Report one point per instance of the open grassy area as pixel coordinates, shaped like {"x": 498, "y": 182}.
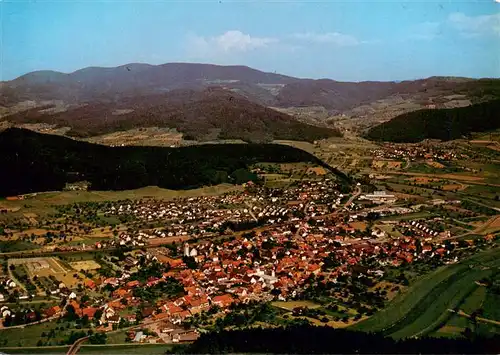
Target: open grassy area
{"x": 483, "y": 191}
{"x": 42, "y": 203}
{"x": 474, "y": 301}
{"x": 491, "y": 307}
{"x": 7, "y": 246}
{"x": 30, "y": 335}
{"x": 447, "y": 295}
{"x": 52, "y": 350}
{"x": 423, "y": 307}
{"x": 117, "y": 337}
{"x": 487, "y": 330}
{"x": 409, "y": 216}
{"x": 308, "y": 147}
{"x": 290, "y": 305}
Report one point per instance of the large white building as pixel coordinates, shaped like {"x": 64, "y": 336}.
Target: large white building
{"x": 379, "y": 197}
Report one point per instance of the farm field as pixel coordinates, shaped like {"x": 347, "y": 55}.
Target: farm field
{"x": 42, "y": 204}
{"x": 437, "y": 175}
{"x": 308, "y": 147}
{"x": 491, "y": 307}
{"x": 439, "y": 301}
{"x": 435, "y": 164}
{"x": 475, "y": 300}
{"x": 423, "y": 306}
{"x": 7, "y": 246}
{"x": 488, "y": 192}
{"x": 387, "y": 164}
{"x": 30, "y": 335}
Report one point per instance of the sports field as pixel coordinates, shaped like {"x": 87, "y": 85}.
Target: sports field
{"x": 85, "y": 265}
{"x": 47, "y": 267}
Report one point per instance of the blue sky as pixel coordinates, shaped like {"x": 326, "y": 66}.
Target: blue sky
{"x": 343, "y": 40}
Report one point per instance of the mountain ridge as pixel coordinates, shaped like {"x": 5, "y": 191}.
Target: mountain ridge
{"x": 134, "y": 65}
{"x": 106, "y": 84}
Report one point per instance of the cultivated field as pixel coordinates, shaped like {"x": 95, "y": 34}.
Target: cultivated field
{"x": 452, "y": 187}
{"x": 358, "y": 225}
{"x": 423, "y": 307}
{"x": 435, "y": 164}
{"x": 85, "y": 265}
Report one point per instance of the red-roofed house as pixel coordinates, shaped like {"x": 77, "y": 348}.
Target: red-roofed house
{"x": 89, "y": 312}
{"x": 52, "y": 311}
{"x": 223, "y": 301}
{"x": 132, "y": 284}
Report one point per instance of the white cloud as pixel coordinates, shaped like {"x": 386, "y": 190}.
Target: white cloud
{"x": 336, "y": 38}
{"x": 229, "y": 42}
{"x": 425, "y": 31}
{"x": 473, "y": 26}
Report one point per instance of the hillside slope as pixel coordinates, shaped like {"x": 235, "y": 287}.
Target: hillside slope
{"x": 95, "y": 84}
{"x": 201, "y": 115}
{"x": 443, "y": 124}
{"x": 38, "y": 162}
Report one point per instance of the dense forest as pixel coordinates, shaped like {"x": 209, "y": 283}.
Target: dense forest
{"x": 306, "y": 339}
{"x": 443, "y": 124}
{"x": 205, "y": 115}
{"x": 34, "y": 162}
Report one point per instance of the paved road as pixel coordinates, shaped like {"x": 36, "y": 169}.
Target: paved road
{"x": 250, "y": 211}
{"x": 484, "y": 320}
{"x": 353, "y": 197}
{"x": 76, "y": 346}
{"x": 11, "y": 275}
{"x": 478, "y": 229}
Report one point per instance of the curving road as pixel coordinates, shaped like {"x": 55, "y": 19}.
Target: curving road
{"x": 76, "y": 346}
{"x": 353, "y": 197}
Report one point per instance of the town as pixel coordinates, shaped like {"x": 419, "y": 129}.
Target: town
{"x": 165, "y": 271}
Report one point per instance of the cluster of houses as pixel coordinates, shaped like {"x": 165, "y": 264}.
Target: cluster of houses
{"x": 272, "y": 264}
{"x": 420, "y": 228}
{"x": 207, "y": 216}
{"x": 7, "y": 285}
{"x": 417, "y": 151}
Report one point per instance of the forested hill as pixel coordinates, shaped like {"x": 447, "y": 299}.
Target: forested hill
{"x": 33, "y": 162}
{"x": 306, "y": 339}
{"x": 443, "y": 124}
{"x": 204, "y": 115}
